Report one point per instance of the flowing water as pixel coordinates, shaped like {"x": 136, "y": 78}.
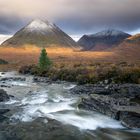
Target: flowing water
{"x": 42, "y": 111}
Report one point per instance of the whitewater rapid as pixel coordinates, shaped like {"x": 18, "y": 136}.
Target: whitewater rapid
{"x": 52, "y": 101}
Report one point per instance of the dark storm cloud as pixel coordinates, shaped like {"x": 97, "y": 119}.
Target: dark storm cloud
{"x": 101, "y": 14}
{"x": 10, "y": 24}
{"x": 74, "y": 16}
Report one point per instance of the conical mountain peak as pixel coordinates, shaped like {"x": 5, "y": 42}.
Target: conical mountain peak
{"x": 38, "y": 24}
{"x": 41, "y": 33}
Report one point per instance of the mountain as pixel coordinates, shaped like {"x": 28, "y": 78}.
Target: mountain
{"x": 40, "y": 33}
{"x": 103, "y": 40}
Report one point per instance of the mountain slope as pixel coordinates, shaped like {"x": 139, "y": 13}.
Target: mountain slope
{"x": 133, "y": 39}
{"x": 103, "y": 40}
{"x": 42, "y": 34}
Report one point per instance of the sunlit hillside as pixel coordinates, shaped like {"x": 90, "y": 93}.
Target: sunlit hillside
{"x": 29, "y": 55}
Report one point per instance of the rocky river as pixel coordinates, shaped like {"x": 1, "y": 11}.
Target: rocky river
{"x": 31, "y": 109}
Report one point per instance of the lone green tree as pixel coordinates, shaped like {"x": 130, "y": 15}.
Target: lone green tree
{"x": 44, "y": 61}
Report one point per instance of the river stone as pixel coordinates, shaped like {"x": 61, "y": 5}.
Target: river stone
{"x": 2, "y": 111}
{"x": 38, "y": 130}
{"x": 3, "y": 96}
{"x": 42, "y": 80}
{"x": 121, "y": 102}
{"x": 12, "y": 79}
{"x": 130, "y": 119}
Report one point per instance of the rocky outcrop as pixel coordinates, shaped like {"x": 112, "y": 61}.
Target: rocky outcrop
{"x": 89, "y": 88}
{"x": 121, "y": 102}
{"x": 38, "y": 130}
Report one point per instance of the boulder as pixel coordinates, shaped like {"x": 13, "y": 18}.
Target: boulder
{"x": 130, "y": 119}
{"x": 12, "y": 79}
{"x": 121, "y": 102}
{"x": 3, "y": 96}
{"x": 39, "y": 130}
{"x": 42, "y": 79}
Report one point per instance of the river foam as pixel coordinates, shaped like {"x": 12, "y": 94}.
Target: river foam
{"x": 87, "y": 122}
{"x": 53, "y": 101}
{"x": 60, "y": 108}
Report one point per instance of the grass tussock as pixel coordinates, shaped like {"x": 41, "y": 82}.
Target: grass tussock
{"x": 91, "y": 73}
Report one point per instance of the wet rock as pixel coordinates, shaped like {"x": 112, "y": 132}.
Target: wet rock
{"x": 130, "y": 119}
{"x": 42, "y": 80}
{"x": 5, "y": 86}
{"x": 121, "y": 102}
{"x": 111, "y": 134}
{"x": 103, "y": 89}
{"x": 12, "y": 79}
{"x": 2, "y": 73}
{"x": 2, "y": 116}
{"x": 3, "y": 96}
{"x": 100, "y": 106}
{"x": 38, "y": 130}
{"x": 47, "y": 80}
{"x": 88, "y": 89}
{"x": 3, "y": 111}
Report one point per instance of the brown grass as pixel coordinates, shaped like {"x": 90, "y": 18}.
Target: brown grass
{"x": 27, "y": 55}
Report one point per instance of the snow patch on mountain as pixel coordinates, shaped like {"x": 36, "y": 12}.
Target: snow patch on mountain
{"x": 39, "y": 25}
{"x": 110, "y": 32}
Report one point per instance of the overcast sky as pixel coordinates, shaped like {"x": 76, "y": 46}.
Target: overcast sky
{"x": 75, "y": 17}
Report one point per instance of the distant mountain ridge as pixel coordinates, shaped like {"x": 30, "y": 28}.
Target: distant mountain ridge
{"x": 40, "y": 33}
{"x": 102, "y": 40}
